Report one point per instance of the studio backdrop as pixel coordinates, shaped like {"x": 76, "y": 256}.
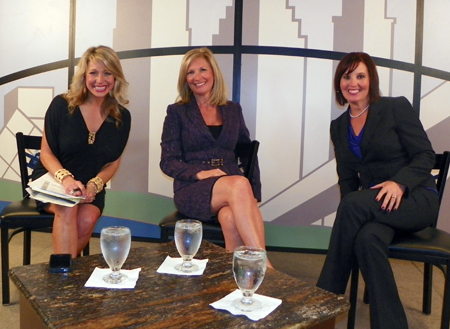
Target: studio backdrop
{"x": 278, "y": 58}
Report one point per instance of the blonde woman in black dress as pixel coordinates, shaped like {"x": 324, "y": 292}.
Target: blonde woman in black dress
{"x": 85, "y": 133}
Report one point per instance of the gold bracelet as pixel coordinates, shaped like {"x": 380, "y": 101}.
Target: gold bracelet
{"x": 94, "y": 185}
{"x": 98, "y": 182}
{"x": 61, "y": 174}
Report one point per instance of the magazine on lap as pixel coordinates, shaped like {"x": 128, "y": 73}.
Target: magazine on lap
{"x": 47, "y": 189}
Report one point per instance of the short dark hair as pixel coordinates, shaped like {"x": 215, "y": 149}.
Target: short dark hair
{"x": 347, "y": 65}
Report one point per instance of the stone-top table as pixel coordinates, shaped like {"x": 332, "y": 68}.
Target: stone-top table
{"x": 164, "y": 300}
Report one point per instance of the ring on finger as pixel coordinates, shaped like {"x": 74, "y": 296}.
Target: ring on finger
{"x": 393, "y": 197}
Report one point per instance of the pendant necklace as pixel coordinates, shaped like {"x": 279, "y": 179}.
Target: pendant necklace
{"x": 91, "y": 137}
{"x": 355, "y": 116}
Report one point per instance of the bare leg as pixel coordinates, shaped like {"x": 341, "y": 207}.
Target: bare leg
{"x": 238, "y": 213}
{"x": 72, "y": 227}
{"x": 232, "y": 236}
{"x": 64, "y": 234}
{"x": 86, "y": 220}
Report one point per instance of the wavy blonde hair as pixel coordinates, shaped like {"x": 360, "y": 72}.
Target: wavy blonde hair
{"x": 78, "y": 92}
{"x": 219, "y": 94}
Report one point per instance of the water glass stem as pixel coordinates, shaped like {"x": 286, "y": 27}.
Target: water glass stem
{"x": 187, "y": 264}
{"x": 115, "y": 273}
{"x": 247, "y": 297}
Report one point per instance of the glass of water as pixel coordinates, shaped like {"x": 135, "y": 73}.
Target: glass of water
{"x": 249, "y": 268}
{"x": 188, "y": 237}
{"x": 115, "y": 242}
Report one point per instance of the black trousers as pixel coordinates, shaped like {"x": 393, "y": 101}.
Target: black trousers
{"x": 362, "y": 232}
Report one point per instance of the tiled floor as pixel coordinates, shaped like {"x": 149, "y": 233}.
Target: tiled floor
{"x": 303, "y": 266}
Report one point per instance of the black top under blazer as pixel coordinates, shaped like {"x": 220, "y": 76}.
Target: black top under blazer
{"x": 394, "y": 147}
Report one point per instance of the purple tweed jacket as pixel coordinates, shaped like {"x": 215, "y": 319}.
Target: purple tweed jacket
{"x": 187, "y": 143}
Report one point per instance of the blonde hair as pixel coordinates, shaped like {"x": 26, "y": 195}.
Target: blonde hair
{"x": 219, "y": 91}
{"x": 78, "y": 93}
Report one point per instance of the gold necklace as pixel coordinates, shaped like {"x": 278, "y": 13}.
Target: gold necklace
{"x": 91, "y": 137}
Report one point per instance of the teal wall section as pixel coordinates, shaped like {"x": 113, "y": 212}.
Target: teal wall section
{"x": 297, "y": 237}
{"x": 146, "y": 208}
{"x": 9, "y": 190}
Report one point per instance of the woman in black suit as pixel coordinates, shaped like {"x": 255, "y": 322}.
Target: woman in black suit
{"x": 199, "y": 136}
{"x": 384, "y": 160}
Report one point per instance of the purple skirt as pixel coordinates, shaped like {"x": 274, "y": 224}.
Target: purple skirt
{"x": 194, "y": 200}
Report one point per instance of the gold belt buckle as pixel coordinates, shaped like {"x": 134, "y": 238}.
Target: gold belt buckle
{"x": 216, "y": 162}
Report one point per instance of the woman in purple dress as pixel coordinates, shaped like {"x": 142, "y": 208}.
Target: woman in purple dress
{"x": 201, "y": 127}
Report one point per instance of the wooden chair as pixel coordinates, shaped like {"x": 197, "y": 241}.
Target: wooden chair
{"x": 430, "y": 246}
{"x": 23, "y": 216}
{"x": 212, "y": 231}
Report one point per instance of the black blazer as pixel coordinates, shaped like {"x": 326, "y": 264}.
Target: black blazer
{"x": 394, "y": 147}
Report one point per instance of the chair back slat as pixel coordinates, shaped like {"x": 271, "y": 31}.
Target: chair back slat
{"x": 28, "y": 152}
{"x": 442, "y": 164}
{"x": 247, "y": 154}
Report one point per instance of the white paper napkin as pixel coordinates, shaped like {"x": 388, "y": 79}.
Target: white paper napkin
{"x": 168, "y": 266}
{"x": 96, "y": 279}
{"x": 268, "y": 305}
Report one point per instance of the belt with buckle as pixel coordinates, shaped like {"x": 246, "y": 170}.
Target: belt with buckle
{"x": 215, "y": 162}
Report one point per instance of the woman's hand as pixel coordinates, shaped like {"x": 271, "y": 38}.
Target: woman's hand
{"x": 76, "y": 188}
{"x": 73, "y": 187}
{"x": 204, "y": 174}
{"x": 90, "y": 194}
{"x": 392, "y": 193}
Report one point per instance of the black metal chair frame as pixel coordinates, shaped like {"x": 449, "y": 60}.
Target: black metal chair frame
{"x": 23, "y": 216}
{"x": 212, "y": 231}
{"x": 430, "y": 246}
